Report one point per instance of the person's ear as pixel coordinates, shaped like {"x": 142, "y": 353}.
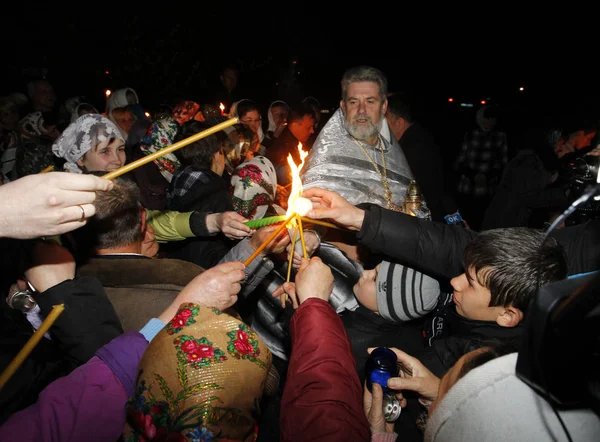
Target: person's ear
{"x": 510, "y": 317}
{"x": 80, "y": 162}
{"x": 385, "y": 106}
{"x": 343, "y": 106}
{"x": 143, "y": 216}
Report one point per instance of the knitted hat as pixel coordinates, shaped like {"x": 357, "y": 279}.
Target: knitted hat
{"x": 403, "y": 293}
{"x": 254, "y": 185}
{"x": 201, "y": 378}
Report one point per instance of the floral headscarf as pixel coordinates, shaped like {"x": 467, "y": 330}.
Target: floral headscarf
{"x": 161, "y": 134}
{"x": 81, "y": 136}
{"x": 201, "y": 378}
{"x": 254, "y": 184}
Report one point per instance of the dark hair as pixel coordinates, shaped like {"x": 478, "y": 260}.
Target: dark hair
{"x": 359, "y": 74}
{"x": 33, "y": 155}
{"x": 117, "y": 222}
{"x": 299, "y": 110}
{"x": 198, "y": 154}
{"x": 513, "y": 263}
{"x": 399, "y": 107}
{"x": 488, "y": 353}
{"x": 246, "y": 106}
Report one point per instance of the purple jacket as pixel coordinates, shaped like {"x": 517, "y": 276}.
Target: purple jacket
{"x": 89, "y": 403}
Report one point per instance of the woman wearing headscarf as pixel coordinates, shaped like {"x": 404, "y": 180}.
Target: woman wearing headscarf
{"x": 249, "y": 115}
{"x": 277, "y": 116}
{"x": 153, "y": 178}
{"x": 91, "y": 143}
{"x": 192, "y": 372}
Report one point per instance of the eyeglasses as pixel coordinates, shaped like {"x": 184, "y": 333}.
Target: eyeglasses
{"x": 258, "y": 120}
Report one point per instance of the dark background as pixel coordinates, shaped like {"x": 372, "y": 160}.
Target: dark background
{"x": 165, "y": 51}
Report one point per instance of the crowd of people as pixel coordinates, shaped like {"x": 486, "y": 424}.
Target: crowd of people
{"x": 179, "y": 325}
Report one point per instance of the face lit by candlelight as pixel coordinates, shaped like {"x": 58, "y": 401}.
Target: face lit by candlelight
{"x": 107, "y": 155}
{"x": 252, "y": 119}
{"x": 364, "y": 110}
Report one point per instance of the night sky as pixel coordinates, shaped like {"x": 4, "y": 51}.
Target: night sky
{"x": 165, "y": 52}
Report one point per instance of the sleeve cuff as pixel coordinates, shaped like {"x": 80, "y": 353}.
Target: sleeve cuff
{"x": 198, "y": 224}
{"x": 152, "y": 328}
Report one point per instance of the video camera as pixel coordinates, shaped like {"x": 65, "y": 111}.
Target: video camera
{"x": 582, "y": 173}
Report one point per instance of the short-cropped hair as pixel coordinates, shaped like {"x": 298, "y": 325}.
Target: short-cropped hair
{"x": 118, "y": 219}
{"x": 513, "y": 263}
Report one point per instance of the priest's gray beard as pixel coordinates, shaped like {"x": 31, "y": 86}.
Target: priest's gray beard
{"x": 363, "y": 132}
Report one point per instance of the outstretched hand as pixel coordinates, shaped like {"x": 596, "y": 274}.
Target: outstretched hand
{"x": 216, "y": 287}
{"x": 330, "y": 205}
{"x": 230, "y": 223}
{"x": 48, "y": 204}
{"x": 313, "y": 280}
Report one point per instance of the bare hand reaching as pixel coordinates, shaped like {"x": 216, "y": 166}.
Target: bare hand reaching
{"x": 48, "y": 204}
{"x": 216, "y": 287}
{"x": 230, "y": 223}
{"x": 330, "y": 205}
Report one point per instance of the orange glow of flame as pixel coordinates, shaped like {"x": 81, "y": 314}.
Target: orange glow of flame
{"x": 296, "y": 191}
{"x": 222, "y": 107}
{"x": 108, "y": 92}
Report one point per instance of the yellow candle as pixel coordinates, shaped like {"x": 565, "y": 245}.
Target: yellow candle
{"x": 289, "y": 272}
{"x": 299, "y": 218}
{"x": 48, "y": 169}
{"x": 173, "y": 147}
{"x": 30, "y": 344}
{"x": 268, "y": 240}
{"x": 321, "y": 223}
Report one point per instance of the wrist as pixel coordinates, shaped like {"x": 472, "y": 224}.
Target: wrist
{"x": 358, "y": 220}
{"x": 212, "y": 224}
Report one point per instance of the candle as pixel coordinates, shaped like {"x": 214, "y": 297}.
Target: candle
{"x": 30, "y": 344}
{"x": 48, "y": 169}
{"x": 173, "y": 147}
{"x": 256, "y": 223}
{"x": 268, "y": 240}
{"x": 292, "y": 251}
{"x": 299, "y": 219}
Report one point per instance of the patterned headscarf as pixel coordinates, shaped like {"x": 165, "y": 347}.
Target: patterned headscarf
{"x": 81, "y": 136}
{"x": 254, "y": 184}
{"x": 201, "y": 378}
{"x": 161, "y": 134}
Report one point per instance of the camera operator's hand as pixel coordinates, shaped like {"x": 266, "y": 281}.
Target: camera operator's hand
{"x": 413, "y": 377}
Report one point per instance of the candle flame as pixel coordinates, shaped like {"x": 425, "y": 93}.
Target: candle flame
{"x": 147, "y": 114}
{"x": 222, "y": 107}
{"x": 296, "y": 191}
{"x": 108, "y": 92}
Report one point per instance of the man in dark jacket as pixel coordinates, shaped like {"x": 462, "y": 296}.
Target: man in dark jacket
{"x": 300, "y": 126}
{"x": 423, "y": 155}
